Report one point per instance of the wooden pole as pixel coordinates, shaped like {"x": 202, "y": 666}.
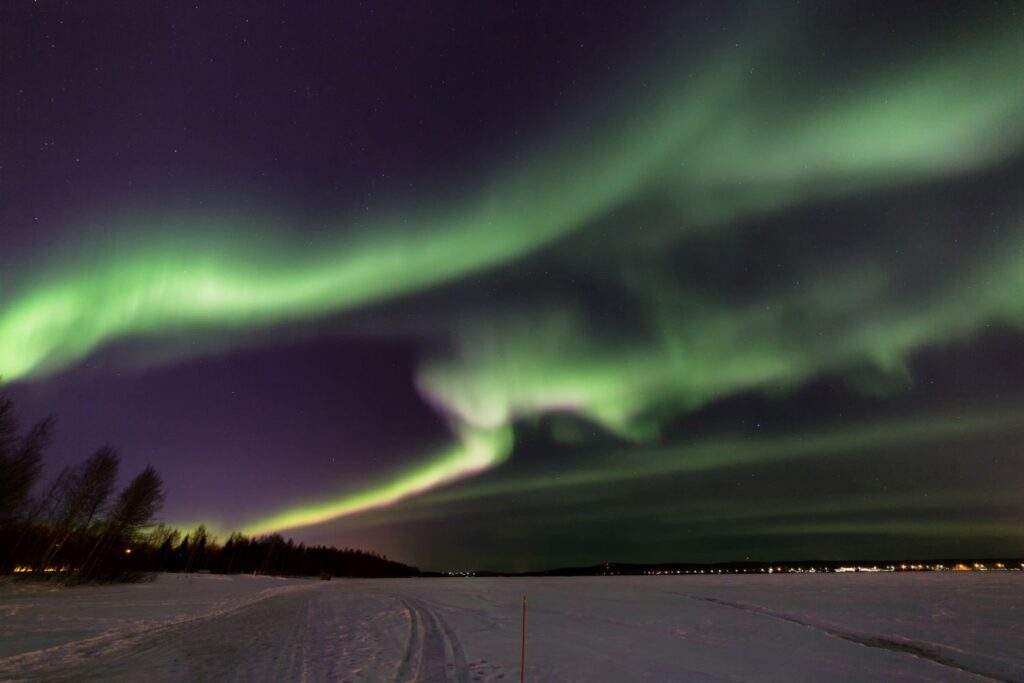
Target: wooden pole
{"x": 522, "y": 655}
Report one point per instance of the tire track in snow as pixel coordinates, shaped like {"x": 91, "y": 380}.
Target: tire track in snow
{"x": 432, "y": 652}
{"x": 904, "y": 646}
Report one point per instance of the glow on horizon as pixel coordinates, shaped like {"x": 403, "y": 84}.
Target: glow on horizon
{"x": 475, "y": 452}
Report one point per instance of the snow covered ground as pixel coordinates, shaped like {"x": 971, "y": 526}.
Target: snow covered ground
{"x": 853, "y": 627}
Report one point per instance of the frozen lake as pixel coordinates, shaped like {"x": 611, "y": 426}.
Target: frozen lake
{"x": 852, "y": 627}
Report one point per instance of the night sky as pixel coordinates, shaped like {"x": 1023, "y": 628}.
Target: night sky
{"x": 522, "y": 285}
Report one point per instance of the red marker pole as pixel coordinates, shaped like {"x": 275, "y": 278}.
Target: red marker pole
{"x": 522, "y": 656}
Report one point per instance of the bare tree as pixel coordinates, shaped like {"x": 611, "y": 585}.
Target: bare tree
{"x": 135, "y": 509}
{"x": 41, "y": 520}
{"x": 20, "y": 460}
{"x": 85, "y": 498}
{"x": 138, "y": 504}
{"x": 8, "y": 427}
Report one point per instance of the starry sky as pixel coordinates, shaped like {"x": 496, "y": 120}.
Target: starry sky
{"x": 523, "y": 285}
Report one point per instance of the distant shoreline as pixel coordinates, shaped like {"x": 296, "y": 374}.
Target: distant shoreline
{"x": 751, "y": 567}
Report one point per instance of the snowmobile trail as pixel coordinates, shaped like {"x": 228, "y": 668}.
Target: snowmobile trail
{"x": 433, "y": 652}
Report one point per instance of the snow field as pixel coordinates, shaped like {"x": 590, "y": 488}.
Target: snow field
{"x": 854, "y": 627}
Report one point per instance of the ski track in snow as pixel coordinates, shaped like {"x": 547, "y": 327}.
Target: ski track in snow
{"x": 785, "y": 628}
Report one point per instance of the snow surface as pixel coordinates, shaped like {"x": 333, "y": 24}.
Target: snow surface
{"x": 852, "y": 627}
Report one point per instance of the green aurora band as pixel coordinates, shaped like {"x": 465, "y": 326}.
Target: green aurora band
{"x": 721, "y": 452}
{"x": 584, "y": 488}
{"x": 720, "y": 141}
{"x": 474, "y": 453}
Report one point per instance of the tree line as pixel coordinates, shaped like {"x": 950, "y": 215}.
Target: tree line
{"x": 168, "y": 549}
{"x": 78, "y": 528}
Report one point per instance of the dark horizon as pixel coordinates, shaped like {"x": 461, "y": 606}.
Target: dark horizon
{"x": 961, "y": 564}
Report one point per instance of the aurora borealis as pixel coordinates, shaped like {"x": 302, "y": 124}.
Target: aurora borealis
{"x": 524, "y": 287}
